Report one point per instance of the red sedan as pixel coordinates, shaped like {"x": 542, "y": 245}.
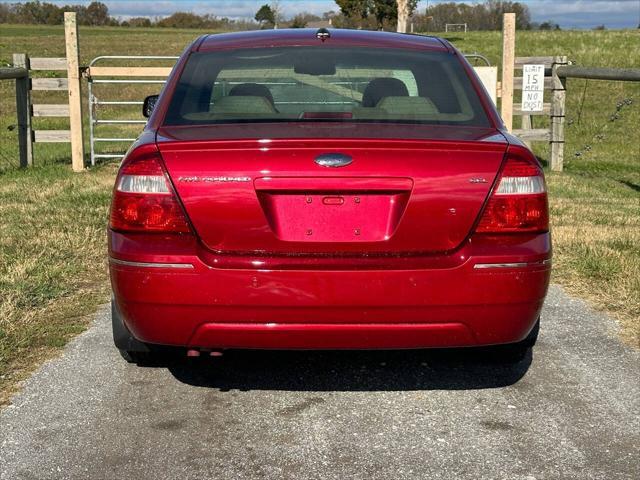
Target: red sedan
{"x": 303, "y": 189}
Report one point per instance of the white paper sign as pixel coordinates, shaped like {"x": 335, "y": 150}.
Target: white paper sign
{"x": 532, "y": 88}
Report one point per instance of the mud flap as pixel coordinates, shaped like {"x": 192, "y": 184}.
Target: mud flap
{"x": 122, "y": 337}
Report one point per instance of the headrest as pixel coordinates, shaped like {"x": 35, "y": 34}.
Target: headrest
{"x": 408, "y": 106}
{"x": 378, "y": 88}
{"x": 252, "y": 90}
{"x": 243, "y": 105}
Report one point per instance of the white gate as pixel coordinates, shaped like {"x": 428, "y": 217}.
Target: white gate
{"x": 123, "y": 82}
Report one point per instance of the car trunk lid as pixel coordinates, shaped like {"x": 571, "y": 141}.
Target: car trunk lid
{"x": 271, "y": 197}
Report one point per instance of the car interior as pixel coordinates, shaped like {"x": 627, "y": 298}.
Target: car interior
{"x": 290, "y": 87}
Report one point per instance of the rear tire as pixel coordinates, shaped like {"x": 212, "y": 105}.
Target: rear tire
{"x": 516, "y": 352}
{"x": 130, "y": 357}
{"x": 143, "y": 359}
{"x": 130, "y": 348}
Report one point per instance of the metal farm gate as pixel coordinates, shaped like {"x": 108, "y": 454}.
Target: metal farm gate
{"x": 113, "y": 91}
{"x": 117, "y": 89}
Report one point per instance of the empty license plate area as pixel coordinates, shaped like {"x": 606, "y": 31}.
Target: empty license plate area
{"x": 331, "y": 209}
{"x": 334, "y": 217}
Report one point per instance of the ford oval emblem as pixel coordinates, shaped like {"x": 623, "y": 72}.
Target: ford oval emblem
{"x": 333, "y": 160}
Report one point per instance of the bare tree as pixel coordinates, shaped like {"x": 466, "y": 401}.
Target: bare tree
{"x": 404, "y": 11}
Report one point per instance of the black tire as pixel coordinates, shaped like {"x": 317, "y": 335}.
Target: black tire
{"x": 130, "y": 357}
{"x": 143, "y": 359}
{"x": 516, "y": 352}
{"x": 532, "y": 338}
{"x": 130, "y": 348}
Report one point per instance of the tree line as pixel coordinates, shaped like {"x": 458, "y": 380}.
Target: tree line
{"x": 44, "y": 13}
{"x": 478, "y": 16}
{"x": 383, "y": 14}
{"x": 364, "y": 14}
{"x": 370, "y": 14}
{"x": 97, "y": 14}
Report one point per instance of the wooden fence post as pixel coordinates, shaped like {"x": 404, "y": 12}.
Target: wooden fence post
{"x": 75, "y": 98}
{"x": 527, "y": 124}
{"x": 558, "y": 98}
{"x": 508, "y": 61}
{"x": 23, "y": 110}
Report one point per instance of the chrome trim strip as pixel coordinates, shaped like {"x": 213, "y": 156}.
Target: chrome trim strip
{"x": 500, "y": 265}
{"x": 117, "y": 261}
{"x": 512, "y": 265}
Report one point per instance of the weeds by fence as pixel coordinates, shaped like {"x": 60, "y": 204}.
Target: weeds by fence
{"x": 599, "y": 135}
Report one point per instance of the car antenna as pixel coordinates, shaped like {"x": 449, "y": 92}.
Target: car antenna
{"x": 323, "y": 34}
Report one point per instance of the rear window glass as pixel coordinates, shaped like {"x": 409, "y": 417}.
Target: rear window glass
{"x": 310, "y": 84}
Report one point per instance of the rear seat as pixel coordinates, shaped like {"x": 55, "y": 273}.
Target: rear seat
{"x": 369, "y": 113}
{"x": 241, "y": 106}
{"x": 248, "y": 106}
{"x": 398, "y": 107}
{"x": 415, "y": 106}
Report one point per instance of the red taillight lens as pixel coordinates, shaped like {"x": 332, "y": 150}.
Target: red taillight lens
{"x": 143, "y": 200}
{"x": 519, "y": 201}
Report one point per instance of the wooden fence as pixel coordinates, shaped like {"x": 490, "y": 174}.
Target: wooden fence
{"x": 556, "y": 72}
{"x": 20, "y": 73}
{"x": 555, "y": 109}
{"x": 26, "y": 110}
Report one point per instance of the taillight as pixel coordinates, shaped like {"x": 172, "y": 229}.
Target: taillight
{"x": 519, "y": 201}
{"x": 143, "y": 199}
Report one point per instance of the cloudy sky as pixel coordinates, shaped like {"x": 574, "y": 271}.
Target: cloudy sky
{"x": 568, "y": 13}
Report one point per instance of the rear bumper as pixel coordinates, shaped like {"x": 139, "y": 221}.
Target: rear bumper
{"x": 485, "y": 299}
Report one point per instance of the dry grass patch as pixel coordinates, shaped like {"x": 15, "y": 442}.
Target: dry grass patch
{"x": 52, "y": 262}
{"x": 596, "y": 238}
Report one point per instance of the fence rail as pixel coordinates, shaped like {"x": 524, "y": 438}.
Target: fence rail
{"x": 31, "y": 110}
{"x": 72, "y": 109}
{"x": 557, "y": 71}
{"x": 594, "y": 73}
{"x": 20, "y": 73}
{"x": 555, "y": 109}
{"x": 10, "y": 73}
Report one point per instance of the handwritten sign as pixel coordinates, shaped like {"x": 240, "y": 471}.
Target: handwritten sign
{"x": 532, "y": 88}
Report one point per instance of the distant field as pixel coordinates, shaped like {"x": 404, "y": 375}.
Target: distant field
{"x": 52, "y": 242}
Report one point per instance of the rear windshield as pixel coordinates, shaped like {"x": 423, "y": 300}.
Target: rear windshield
{"x": 311, "y": 84}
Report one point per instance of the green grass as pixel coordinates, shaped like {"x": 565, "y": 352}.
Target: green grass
{"x": 52, "y": 264}
{"x": 52, "y": 238}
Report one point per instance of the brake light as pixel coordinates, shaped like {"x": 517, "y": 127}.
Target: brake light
{"x": 519, "y": 201}
{"x": 143, "y": 199}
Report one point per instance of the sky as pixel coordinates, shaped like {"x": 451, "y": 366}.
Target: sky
{"x": 567, "y": 13}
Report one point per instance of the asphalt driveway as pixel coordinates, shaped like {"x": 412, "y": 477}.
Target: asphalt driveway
{"x": 571, "y": 411}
